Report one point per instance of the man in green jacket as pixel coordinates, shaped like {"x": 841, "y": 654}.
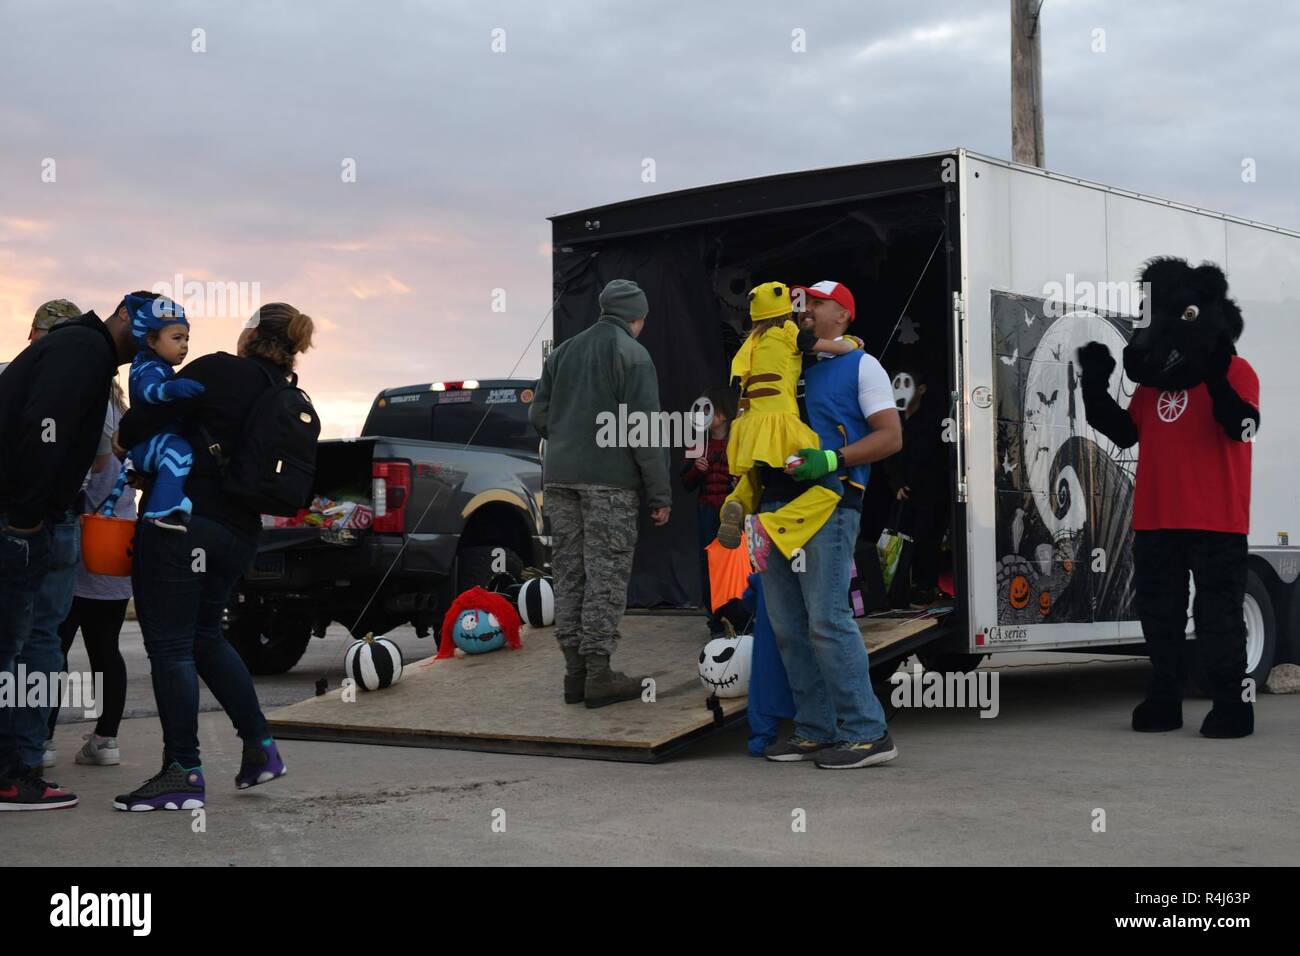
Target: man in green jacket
{"x": 593, "y": 485}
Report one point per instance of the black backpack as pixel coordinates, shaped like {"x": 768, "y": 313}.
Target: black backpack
{"x": 273, "y": 468}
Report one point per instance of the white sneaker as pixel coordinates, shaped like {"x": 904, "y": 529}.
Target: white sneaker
{"x": 51, "y": 754}
{"x": 100, "y": 751}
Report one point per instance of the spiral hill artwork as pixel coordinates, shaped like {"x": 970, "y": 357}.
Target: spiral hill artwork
{"x": 1064, "y": 492}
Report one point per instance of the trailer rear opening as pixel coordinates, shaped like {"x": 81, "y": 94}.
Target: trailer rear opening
{"x": 889, "y": 236}
{"x": 990, "y": 270}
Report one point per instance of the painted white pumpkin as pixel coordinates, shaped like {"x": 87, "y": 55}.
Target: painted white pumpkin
{"x": 724, "y": 665}
{"x": 536, "y": 602}
{"x": 374, "y": 663}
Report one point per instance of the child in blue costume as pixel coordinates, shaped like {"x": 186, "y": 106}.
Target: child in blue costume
{"x": 162, "y": 333}
{"x": 770, "y": 698}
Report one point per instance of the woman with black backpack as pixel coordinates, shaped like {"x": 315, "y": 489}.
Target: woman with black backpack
{"x": 250, "y": 405}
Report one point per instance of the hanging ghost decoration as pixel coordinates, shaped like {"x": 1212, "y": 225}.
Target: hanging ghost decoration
{"x": 908, "y": 331}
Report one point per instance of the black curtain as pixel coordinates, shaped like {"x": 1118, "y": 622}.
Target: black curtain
{"x": 696, "y": 279}
{"x": 683, "y": 335}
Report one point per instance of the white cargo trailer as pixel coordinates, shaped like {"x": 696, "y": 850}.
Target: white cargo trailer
{"x": 1010, "y": 269}
{"x": 1049, "y": 262}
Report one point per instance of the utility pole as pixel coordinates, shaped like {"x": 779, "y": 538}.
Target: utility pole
{"x": 1026, "y": 84}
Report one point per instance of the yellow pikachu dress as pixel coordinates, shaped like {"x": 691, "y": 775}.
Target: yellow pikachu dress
{"x": 768, "y": 430}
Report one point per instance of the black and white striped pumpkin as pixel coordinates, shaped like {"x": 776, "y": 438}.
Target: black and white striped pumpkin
{"x": 374, "y": 663}
{"x": 536, "y": 602}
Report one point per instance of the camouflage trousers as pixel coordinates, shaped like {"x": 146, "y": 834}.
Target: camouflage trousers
{"x": 593, "y": 535}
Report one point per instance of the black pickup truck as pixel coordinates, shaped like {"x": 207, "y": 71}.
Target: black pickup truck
{"x": 442, "y": 491}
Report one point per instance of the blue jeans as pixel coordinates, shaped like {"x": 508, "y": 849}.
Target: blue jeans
{"x": 770, "y": 698}
{"x": 182, "y": 582}
{"x": 821, "y": 646}
{"x": 37, "y": 575}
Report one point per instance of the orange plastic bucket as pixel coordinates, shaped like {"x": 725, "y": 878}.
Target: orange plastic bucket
{"x": 106, "y": 544}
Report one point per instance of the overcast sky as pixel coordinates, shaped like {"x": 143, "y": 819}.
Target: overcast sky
{"x": 227, "y": 165}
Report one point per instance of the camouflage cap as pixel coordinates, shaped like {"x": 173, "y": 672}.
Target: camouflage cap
{"x": 53, "y": 313}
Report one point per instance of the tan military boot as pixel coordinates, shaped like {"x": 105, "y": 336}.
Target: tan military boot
{"x": 607, "y": 686}
{"x": 575, "y": 675}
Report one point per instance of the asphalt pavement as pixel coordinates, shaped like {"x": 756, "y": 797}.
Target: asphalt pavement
{"x": 1057, "y": 777}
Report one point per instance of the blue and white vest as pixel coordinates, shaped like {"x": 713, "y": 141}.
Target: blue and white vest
{"x": 833, "y": 412}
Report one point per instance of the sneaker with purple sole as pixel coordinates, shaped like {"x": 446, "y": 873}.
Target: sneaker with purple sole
{"x": 172, "y": 788}
{"x": 261, "y": 764}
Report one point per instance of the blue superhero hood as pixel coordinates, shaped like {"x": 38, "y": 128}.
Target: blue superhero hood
{"x": 152, "y": 314}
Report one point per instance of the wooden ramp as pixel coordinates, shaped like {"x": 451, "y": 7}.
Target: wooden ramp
{"x": 510, "y": 701}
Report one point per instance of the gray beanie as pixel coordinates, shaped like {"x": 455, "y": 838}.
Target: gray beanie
{"x": 623, "y": 299}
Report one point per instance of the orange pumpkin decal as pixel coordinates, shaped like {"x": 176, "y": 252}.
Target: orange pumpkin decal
{"x": 1045, "y": 604}
{"x": 1018, "y": 594}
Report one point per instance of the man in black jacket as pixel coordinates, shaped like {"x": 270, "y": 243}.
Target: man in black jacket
{"x": 53, "y": 397}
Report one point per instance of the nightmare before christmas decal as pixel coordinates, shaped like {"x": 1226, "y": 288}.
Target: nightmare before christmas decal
{"x": 477, "y": 632}
{"x": 1064, "y": 491}
{"x": 725, "y": 664}
{"x": 477, "y": 622}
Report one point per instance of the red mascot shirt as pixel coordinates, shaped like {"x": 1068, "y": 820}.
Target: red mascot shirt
{"x": 1190, "y": 473}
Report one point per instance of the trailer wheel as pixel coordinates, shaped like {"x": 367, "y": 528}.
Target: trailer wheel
{"x": 884, "y": 690}
{"x": 1286, "y": 609}
{"x": 949, "y": 662}
{"x": 269, "y": 642}
{"x": 1261, "y": 636}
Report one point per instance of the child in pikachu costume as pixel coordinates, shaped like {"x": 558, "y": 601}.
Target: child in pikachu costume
{"x": 768, "y": 430}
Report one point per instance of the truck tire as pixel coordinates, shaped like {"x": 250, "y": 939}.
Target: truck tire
{"x": 477, "y": 566}
{"x": 269, "y": 643}
{"x": 1261, "y": 637}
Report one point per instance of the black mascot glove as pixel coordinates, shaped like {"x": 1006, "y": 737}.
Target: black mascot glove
{"x": 1096, "y": 363}
{"x": 1100, "y": 409}
{"x": 1238, "y": 418}
{"x": 1133, "y": 360}
{"x": 1216, "y": 366}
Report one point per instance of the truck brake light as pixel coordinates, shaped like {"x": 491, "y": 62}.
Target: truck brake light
{"x": 391, "y": 488}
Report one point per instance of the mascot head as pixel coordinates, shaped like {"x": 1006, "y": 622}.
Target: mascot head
{"x": 479, "y": 621}
{"x": 1193, "y": 325}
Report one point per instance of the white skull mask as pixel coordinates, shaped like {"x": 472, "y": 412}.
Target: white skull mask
{"x": 724, "y": 665}
{"x": 701, "y": 414}
{"x": 904, "y": 390}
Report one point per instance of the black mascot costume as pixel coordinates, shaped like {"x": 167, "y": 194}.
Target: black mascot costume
{"x": 1195, "y": 411}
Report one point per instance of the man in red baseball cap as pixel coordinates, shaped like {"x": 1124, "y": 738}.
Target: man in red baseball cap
{"x": 849, "y": 403}
{"x": 836, "y": 292}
